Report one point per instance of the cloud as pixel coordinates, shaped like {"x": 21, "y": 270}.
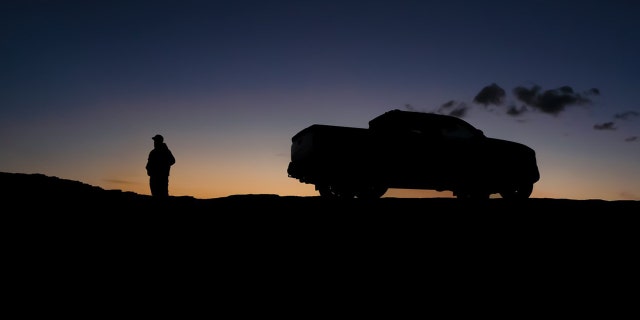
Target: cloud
{"x": 552, "y": 101}
{"x": 527, "y": 99}
{"x": 491, "y": 94}
{"x": 593, "y": 91}
{"x": 450, "y": 108}
{"x": 626, "y": 115}
{"x": 409, "y": 107}
{"x": 534, "y": 98}
{"x": 453, "y": 108}
{"x": 515, "y": 111}
{"x": 605, "y": 126}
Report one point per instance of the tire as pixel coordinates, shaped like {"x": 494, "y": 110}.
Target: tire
{"x": 371, "y": 192}
{"x": 333, "y": 192}
{"x": 522, "y": 191}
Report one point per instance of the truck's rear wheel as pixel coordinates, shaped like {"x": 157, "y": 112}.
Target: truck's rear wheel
{"x": 518, "y": 192}
{"x": 330, "y": 191}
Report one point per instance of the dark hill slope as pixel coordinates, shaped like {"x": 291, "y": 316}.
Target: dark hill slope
{"x": 37, "y": 191}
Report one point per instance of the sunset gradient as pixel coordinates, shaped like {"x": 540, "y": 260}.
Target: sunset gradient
{"x": 84, "y": 85}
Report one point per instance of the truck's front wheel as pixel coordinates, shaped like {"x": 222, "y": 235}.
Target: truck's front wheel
{"x": 372, "y": 192}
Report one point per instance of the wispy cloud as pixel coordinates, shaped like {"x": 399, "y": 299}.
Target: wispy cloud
{"x": 526, "y": 99}
{"x": 605, "y": 126}
{"x": 552, "y": 101}
{"x": 530, "y": 99}
{"x": 623, "y": 116}
{"x": 627, "y": 115}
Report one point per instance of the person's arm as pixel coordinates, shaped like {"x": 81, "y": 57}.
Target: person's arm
{"x": 148, "y": 164}
{"x": 172, "y": 159}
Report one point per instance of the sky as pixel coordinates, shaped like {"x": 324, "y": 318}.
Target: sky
{"x": 84, "y": 85}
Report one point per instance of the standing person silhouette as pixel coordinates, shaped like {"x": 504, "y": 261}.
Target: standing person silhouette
{"x": 158, "y": 166}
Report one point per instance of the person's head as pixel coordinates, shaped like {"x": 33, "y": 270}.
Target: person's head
{"x": 157, "y": 139}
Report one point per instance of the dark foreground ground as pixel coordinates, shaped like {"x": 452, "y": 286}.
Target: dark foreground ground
{"x": 75, "y": 242}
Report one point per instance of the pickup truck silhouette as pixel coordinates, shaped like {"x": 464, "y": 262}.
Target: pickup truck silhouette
{"x": 411, "y": 150}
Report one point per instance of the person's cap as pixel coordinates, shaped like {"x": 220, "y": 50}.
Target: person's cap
{"x": 158, "y": 138}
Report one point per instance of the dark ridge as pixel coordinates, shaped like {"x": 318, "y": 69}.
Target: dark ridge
{"x": 35, "y": 192}
{"x": 38, "y": 190}
{"x": 66, "y": 226}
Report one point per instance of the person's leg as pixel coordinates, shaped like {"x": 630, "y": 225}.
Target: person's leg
{"x": 165, "y": 186}
{"x": 155, "y": 186}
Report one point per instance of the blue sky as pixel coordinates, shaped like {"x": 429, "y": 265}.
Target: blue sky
{"x": 84, "y": 85}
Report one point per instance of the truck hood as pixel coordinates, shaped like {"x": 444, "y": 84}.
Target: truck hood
{"x": 520, "y": 154}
